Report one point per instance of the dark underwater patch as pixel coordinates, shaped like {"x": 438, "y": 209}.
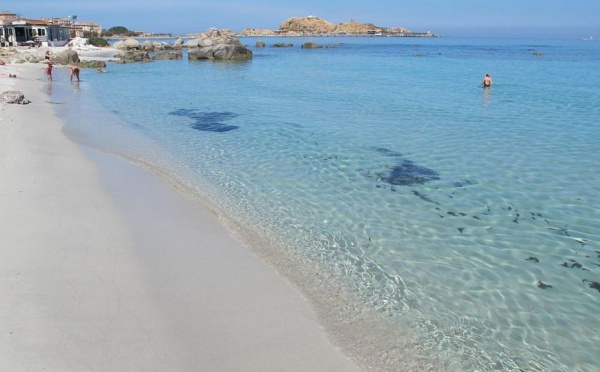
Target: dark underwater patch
{"x": 543, "y": 285}
{"x": 208, "y": 121}
{"x": 424, "y": 197}
{"x": 408, "y": 173}
{"x": 462, "y": 183}
{"x": 592, "y": 284}
{"x": 386, "y": 152}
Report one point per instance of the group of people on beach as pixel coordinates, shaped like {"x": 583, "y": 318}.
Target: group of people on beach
{"x": 74, "y": 69}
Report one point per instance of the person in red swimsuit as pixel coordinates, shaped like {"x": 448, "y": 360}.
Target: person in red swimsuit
{"x": 49, "y": 71}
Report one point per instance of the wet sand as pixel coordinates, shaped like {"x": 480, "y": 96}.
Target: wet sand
{"x": 104, "y": 266}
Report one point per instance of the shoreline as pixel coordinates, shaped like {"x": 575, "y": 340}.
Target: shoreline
{"x": 106, "y": 266}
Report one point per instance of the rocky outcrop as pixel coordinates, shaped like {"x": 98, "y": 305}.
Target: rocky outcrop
{"x": 161, "y": 45}
{"x": 178, "y": 43}
{"x": 215, "y": 45}
{"x": 27, "y": 57}
{"x": 310, "y": 24}
{"x": 257, "y": 32}
{"x": 260, "y": 44}
{"x": 129, "y": 44}
{"x": 148, "y": 46}
{"x": 168, "y": 56}
{"x": 222, "y": 52}
{"x": 13, "y": 96}
{"x": 131, "y": 56}
{"x": 92, "y": 64}
{"x": 310, "y": 45}
{"x": 354, "y": 27}
{"x": 66, "y": 57}
{"x": 282, "y": 45}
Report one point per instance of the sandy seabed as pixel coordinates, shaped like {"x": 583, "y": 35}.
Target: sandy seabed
{"x": 106, "y": 267}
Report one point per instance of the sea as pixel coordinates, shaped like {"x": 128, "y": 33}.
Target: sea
{"x": 427, "y": 219}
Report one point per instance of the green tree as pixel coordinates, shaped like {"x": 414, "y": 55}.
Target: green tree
{"x": 94, "y": 39}
{"x": 118, "y": 31}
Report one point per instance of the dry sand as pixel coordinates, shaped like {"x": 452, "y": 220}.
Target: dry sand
{"x": 105, "y": 267}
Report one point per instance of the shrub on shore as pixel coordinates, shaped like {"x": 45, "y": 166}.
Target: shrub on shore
{"x": 95, "y": 40}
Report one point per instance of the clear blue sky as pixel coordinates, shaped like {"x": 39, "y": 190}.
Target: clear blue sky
{"x": 512, "y": 18}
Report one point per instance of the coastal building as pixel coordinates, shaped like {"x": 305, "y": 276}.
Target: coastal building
{"x": 18, "y": 31}
{"x": 78, "y": 29}
{"x": 22, "y": 31}
{"x": 6, "y": 18}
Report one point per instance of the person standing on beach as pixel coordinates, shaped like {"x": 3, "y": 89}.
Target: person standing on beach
{"x": 74, "y": 72}
{"x": 49, "y": 71}
{"x": 487, "y": 81}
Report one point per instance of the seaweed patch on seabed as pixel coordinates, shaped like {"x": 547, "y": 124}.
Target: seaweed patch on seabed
{"x": 408, "y": 173}
{"x": 208, "y": 121}
{"x": 405, "y": 172}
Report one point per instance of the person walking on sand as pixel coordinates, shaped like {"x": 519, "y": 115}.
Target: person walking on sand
{"x": 49, "y": 71}
{"x": 487, "y": 81}
{"x": 74, "y": 72}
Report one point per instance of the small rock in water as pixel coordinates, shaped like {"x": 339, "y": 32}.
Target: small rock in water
{"x": 543, "y": 285}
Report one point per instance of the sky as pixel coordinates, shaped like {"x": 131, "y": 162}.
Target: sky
{"x": 562, "y": 19}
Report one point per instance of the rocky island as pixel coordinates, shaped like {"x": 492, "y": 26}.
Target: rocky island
{"x": 315, "y": 26}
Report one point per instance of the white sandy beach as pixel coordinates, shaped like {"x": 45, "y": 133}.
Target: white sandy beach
{"x": 105, "y": 267}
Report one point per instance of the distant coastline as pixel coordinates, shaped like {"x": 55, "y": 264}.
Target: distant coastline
{"x": 309, "y": 26}
{"x": 272, "y": 35}
{"x": 410, "y": 34}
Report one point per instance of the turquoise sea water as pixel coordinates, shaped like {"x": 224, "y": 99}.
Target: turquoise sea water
{"x": 466, "y": 220}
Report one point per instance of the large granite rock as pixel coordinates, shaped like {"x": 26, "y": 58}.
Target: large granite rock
{"x": 13, "y": 96}
{"x": 129, "y": 44}
{"x": 92, "y": 64}
{"x": 161, "y": 45}
{"x": 222, "y": 52}
{"x": 355, "y": 28}
{"x": 257, "y": 32}
{"x": 148, "y": 46}
{"x": 231, "y": 52}
{"x": 310, "y": 24}
{"x": 178, "y": 44}
{"x": 168, "y": 55}
{"x": 27, "y": 57}
{"x": 215, "y": 45}
{"x": 309, "y": 45}
{"x": 66, "y": 57}
{"x": 131, "y": 56}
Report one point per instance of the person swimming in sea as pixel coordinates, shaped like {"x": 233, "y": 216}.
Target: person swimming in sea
{"x": 487, "y": 81}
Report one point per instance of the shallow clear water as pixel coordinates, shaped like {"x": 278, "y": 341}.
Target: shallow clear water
{"x": 470, "y": 216}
